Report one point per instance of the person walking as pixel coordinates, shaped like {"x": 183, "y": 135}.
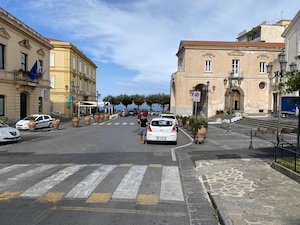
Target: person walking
{"x": 143, "y": 129}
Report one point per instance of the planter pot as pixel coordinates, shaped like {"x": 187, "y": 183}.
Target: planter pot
{"x": 96, "y": 118}
{"x": 101, "y": 117}
{"x": 75, "y": 121}
{"x": 87, "y": 120}
{"x": 201, "y": 135}
{"x": 105, "y": 117}
{"x": 180, "y": 122}
{"x": 32, "y": 125}
{"x": 55, "y": 124}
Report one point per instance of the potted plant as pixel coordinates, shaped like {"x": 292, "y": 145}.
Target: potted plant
{"x": 3, "y": 119}
{"x": 31, "y": 123}
{"x": 199, "y": 127}
{"x": 97, "y": 116}
{"x": 55, "y": 123}
{"x": 87, "y": 119}
{"x": 75, "y": 120}
{"x": 184, "y": 120}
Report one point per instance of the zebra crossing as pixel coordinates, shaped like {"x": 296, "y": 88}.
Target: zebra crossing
{"x": 115, "y": 124}
{"x": 95, "y": 183}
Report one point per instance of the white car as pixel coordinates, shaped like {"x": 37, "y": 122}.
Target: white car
{"x": 42, "y": 121}
{"x": 170, "y": 116}
{"x": 162, "y": 130}
{"x": 9, "y": 134}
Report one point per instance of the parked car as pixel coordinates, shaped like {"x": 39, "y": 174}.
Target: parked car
{"x": 154, "y": 113}
{"x": 124, "y": 113}
{"x": 132, "y": 112}
{"x": 9, "y": 134}
{"x": 162, "y": 130}
{"x": 42, "y": 121}
{"x": 170, "y": 116}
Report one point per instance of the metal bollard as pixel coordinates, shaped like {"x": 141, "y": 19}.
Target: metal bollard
{"x": 251, "y": 140}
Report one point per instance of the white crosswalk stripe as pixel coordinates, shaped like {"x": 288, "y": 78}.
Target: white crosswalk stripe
{"x": 129, "y": 186}
{"x": 127, "y": 181}
{"x": 45, "y": 185}
{"x": 116, "y": 124}
{"x": 24, "y": 175}
{"x": 86, "y": 187}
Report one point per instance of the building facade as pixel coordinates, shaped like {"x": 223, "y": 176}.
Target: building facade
{"x": 265, "y": 32}
{"x": 208, "y": 62}
{"x": 72, "y": 77}
{"x": 24, "y": 78}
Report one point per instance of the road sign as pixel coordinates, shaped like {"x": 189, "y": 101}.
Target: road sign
{"x": 196, "y": 96}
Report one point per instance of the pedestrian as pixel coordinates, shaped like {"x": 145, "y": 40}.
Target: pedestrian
{"x": 143, "y": 129}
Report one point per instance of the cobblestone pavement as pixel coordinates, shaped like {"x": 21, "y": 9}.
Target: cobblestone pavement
{"x": 246, "y": 189}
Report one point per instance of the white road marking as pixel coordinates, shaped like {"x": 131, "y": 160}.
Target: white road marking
{"x": 131, "y": 123}
{"x": 13, "y": 167}
{"x": 170, "y": 185}
{"x": 116, "y": 124}
{"x": 109, "y": 124}
{"x": 87, "y": 185}
{"x": 124, "y": 123}
{"x": 129, "y": 186}
{"x": 22, "y": 176}
{"x": 45, "y": 185}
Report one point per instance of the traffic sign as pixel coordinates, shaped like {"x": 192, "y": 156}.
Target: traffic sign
{"x": 196, "y": 96}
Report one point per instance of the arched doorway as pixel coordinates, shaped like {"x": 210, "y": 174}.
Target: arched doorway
{"x": 200, "y": 107}
{"x": 237, "y": 102}
{"x": 23, "y": 105}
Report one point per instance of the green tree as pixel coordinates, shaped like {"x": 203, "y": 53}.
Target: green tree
{"x": 138, "y": 99}
{"x": 125, "y": 100}
{"x": 150, "y": 100}
{"x": 163, "y": 100}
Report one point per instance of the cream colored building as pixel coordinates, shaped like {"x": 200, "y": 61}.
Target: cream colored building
{"x": 265, "y": 32}
{"x": 203, "y": 61}
{"x": 72, "y": 77}
{"x": 20, "y": 48}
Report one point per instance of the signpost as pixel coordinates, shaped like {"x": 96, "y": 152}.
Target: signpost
{"x": 196, "y": 98}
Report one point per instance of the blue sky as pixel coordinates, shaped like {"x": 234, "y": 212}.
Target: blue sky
{"x": 134, "y": 42}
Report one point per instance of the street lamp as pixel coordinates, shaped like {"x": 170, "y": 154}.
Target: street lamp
{"x": 73, "y": 89}
{"x": 230, "y": 79}
{"x": 282, "y": 63}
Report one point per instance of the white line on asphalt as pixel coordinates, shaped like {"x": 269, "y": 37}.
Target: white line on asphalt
{"x": 124, "y": 123}
{"x": 45, "y": 185}
{"x": 173, "y": 155}
{"x": 131, "y": 123}
{"x": 170, "y": 185}
{"x": 22, "y": 176}
{"x": 116, "y": 124}
{"x": 129, "y": 186}
{"x": 109, "y": 124}
{"x": 87, "y": 185}
{"x": 13, "y": 167}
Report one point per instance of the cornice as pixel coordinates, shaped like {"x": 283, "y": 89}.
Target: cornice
{"x": 18, "y": 25}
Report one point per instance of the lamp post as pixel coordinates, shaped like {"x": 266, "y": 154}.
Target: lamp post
{"x": 282, "y": 63}
{"x": 230, "y": 79}
{"x": 73, "y": 89}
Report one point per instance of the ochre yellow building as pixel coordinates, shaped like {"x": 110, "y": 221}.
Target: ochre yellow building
{"x": 200, "y": 62}
{"x": 72, "y": 79}
{"x": 20, "y": 49}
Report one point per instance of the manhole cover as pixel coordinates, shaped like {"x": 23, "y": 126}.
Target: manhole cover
{"x": 228, "y": 156}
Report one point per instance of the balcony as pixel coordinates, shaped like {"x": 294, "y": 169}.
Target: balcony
{"x": 21, "y": 78}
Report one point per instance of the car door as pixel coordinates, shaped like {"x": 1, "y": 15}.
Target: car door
{"x": 39, "y": 122}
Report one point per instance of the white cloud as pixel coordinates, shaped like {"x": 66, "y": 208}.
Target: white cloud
{"x": 143, "y": 36}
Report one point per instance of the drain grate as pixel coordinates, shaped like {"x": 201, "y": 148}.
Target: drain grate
{"x": 228, "y": 156}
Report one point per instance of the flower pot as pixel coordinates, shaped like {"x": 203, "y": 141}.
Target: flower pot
{"x": 201, "y": 134}
{"x": 87, "y": 120}
{"x": 101, "y": 117}
{"x": 96, "y": 118}
{"x": 55, "y": 124}
{"x": 32, "y": 125}
{"x": 180, "y": 122}
{"x": 75, "y": 121}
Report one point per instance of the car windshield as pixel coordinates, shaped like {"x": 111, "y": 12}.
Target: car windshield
{"x": 29, "y": 117}
{"x": 161, "y": 123}
{"x": 170, "y": 117}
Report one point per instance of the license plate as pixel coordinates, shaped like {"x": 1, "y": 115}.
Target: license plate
{"x": 160, "y": 138}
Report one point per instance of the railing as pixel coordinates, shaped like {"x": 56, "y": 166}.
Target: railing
{"x": 288, "y": 157}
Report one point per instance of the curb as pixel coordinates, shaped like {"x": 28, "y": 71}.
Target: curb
{"x": 217, "y": 204}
